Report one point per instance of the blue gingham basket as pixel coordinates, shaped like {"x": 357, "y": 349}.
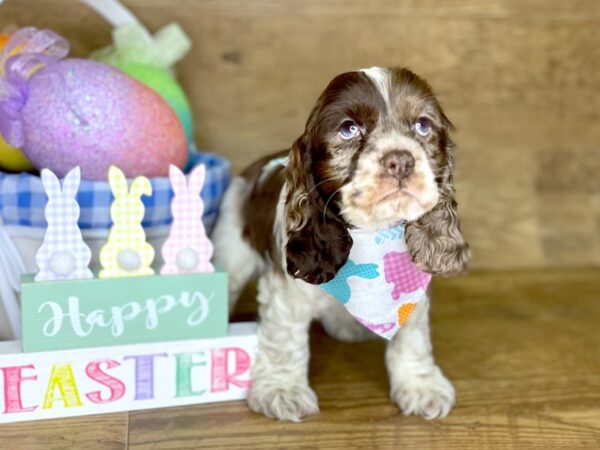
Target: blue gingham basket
{"x": 22, "y": 198}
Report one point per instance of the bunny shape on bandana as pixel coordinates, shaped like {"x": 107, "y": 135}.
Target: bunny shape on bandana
{"x": 339, "y": 288}
{"x": 379, "y": 284}
{"x": 63, "y": 254}
{"x": 402, "y": 273}
{"x": 187, "y": 249}
{"x": 126, "y": 252}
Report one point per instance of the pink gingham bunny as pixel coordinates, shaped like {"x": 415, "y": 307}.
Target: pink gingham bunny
{"x": 187, "y": 249}
{"x": 63, "y": 254}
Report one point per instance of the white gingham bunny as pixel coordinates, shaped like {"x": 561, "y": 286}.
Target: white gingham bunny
{"x": 63, "y": 255}
{"x": 126, "y": 252}
{"x": 187, "y": 249}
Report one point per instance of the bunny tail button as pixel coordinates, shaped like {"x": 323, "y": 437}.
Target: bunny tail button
{"x": 129, "y": 260}
{"x": 187, "y": 259}
{"x": 62, "y": 263}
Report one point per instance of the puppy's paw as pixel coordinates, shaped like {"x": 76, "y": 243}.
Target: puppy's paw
{"x": 430, "y": 395}
{"x": 291, "y": 402}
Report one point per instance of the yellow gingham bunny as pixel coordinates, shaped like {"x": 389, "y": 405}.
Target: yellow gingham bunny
{"x": 126, "y": 252}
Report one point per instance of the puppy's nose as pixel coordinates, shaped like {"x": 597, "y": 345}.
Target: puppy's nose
{"x": 398, "y": 164}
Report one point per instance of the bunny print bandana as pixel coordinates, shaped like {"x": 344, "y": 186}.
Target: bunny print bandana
{"x": 379, "y": 284}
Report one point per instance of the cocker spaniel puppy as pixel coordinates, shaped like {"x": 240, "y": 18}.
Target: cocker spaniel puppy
{"x": 376, "y": 152}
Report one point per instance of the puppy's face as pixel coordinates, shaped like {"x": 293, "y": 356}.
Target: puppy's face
{"x": 378, "y": 140}
{"x": 376, "y": 151}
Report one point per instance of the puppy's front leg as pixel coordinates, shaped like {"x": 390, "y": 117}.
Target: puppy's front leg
{"x": 417, "y": 385}
{"x": 279, "y": 375}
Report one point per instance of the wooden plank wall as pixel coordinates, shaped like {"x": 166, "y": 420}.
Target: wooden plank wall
{"x": 520, "y": 78}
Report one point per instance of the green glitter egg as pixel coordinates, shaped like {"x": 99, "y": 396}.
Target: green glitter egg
{"x": 163, "y": 83}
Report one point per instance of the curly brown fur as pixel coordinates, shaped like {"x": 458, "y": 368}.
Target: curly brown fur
{"x": 435, "y": 240}
{"x": 318, "y": 239}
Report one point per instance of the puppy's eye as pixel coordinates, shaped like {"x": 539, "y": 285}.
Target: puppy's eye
{"x": 423, "y": 126}
{"x": 349, "y": 129}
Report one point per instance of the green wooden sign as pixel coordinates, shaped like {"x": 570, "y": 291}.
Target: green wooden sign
{"x": 60, "y": 315}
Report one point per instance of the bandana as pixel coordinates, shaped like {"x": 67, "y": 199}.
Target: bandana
{"x": 379, "y": 285}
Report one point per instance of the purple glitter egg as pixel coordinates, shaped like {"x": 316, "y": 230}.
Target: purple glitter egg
{"x": 87, "y": 114}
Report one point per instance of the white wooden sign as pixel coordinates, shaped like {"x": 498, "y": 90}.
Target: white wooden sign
{"x": 66, "y": 383}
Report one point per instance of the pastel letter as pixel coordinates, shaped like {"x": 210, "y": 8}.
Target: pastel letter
{"x": 221, "y": 376}
{"x": 184, "y": 374}
{"x": 144, "y": 375}
{"x": 62, "y": 378}
{"x": 12, "y": 388}
{"x": 116, "y": 386}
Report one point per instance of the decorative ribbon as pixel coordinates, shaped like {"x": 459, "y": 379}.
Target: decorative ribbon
{"x": 27, "y": 51}
{"x": 133, "y": 44}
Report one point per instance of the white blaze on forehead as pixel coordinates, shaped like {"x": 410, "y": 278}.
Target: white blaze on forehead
{"x": 381, "y": 79}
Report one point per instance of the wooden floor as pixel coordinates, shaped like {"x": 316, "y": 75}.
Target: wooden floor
{"x": 522, "y": 348}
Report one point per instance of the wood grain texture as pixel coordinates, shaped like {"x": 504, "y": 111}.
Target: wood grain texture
{"x": 520, "y": 79}
{"x": 522, "y": 349}
{"x": 102, "y": 432}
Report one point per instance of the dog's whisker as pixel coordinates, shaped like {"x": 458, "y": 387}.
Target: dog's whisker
{"x": 305, "y": 195}
{"x": 327, "y": 203}
{"x": 387, "y": 194}
{"x": 320, "y": 183}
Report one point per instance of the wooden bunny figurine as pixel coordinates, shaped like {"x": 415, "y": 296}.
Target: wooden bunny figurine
{"x": 63, "y": 255}
{"x": 187, "y": 249}
{"x": 126, "y": 252}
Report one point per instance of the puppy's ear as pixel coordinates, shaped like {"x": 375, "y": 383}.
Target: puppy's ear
{"x": 318, "y": 239}
{"x": 435, "y": 240}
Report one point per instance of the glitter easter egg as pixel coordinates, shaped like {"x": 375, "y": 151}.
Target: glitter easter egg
{"x": 84, "y": 113}
{"x": 11, "y": 158}
{"x": 166, "y": 86}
